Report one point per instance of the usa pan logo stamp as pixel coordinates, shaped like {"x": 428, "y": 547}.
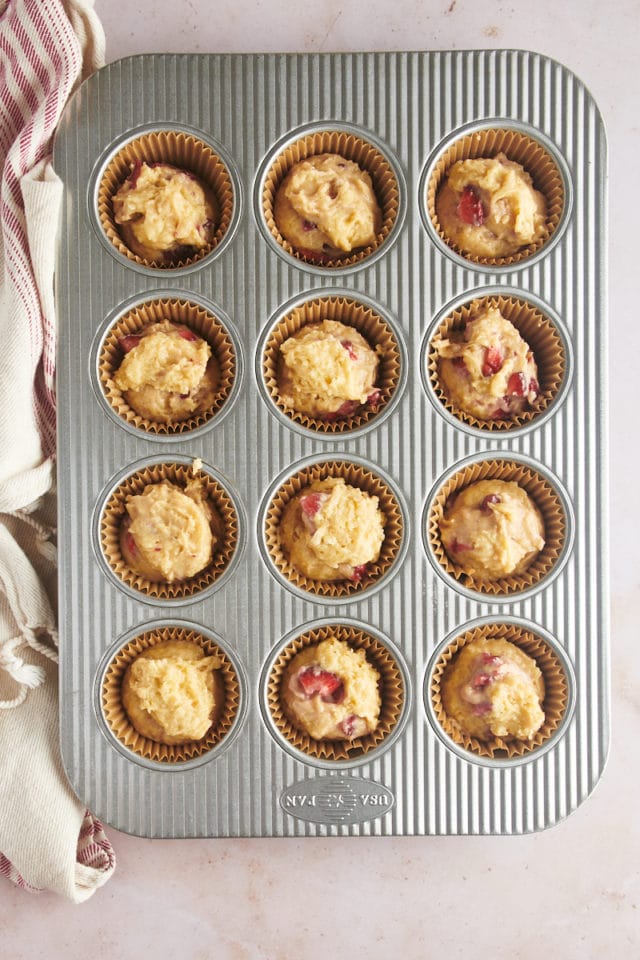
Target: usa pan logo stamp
{"x": 336, "y": 800}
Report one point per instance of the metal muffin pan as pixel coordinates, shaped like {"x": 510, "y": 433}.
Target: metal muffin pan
{"x": 410, "y": 106}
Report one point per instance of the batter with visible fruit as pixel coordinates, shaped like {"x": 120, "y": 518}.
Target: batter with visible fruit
{"x": 488, "y": 207}
{"x": 488, "y": 370}
{"x": 168, "y": 373}
{"x": 328, "y": 370}
{"x": 492, "y": 688}
{"x": 332, "y": 692}
{"x": 332, "y": 531}
{"x": 492, "y": 529}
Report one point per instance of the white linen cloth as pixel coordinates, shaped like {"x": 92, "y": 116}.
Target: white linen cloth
{"x": 47, "y": 839}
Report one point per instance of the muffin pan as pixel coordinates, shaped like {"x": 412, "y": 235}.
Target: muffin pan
{"x": 241, "y": 121}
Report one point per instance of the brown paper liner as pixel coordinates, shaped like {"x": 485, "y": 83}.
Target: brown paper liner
{"x": 544, "y": 496}
{"x": 357, "y": 476}
{"x": 535, "y": 328}
{"x": 392, "y": 694}
{"x": 114, "y": 514}
{"x": 118, "y": 721}
{"x": 556, "y": 696}
{"x": 367, "y": 322}
{"x": 351, "y": 147}
{"x": 522, "y": 149}
{"x": 181, "y": 150}
{"x": 178, "y": 311}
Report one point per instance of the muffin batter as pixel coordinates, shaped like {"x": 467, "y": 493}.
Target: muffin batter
{"x": 170, "y": 692}
{"x": 492, "y": 530}
{"x": 331, "y": 530}
{"x": 164, "y": 213}
{"x": 327, "y": 370}
{"x": 332, "y": 692}
{"x": 168, "y": 373}
{"x": 167, "y": 534}
{"x": 493, "y": 689}
{"x": 489, "y": 208}
{"x": 326, "y": 207}
{"x": 489, "y": 372}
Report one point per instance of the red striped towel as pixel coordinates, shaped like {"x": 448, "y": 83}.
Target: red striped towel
{"x": 46, "y": 48}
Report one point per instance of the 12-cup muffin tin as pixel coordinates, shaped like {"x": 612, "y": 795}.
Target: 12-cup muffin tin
{"x": 254, "y": 776}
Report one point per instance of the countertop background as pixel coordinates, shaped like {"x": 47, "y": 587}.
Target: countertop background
{"x": 571, "y": 892}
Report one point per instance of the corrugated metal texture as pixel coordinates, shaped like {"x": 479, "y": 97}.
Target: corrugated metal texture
{"x": 409, "y": 102}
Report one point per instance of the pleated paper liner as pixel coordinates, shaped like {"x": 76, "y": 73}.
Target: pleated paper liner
{"x": 369, "y": 324}
{"x": 226, "y": 691}
{"x": 522, "y": 149}
{"x": 356, "y": 476}
{"x": 539, "y": 332}
{"x": 351, "y": 147}
{"x": 225, "y": 525}
{"x": 391, "y": 686}
{"x": 196, "y": 318}
{"x": 556, "y": 695}
{"x": 182, "y": 150}
{"x": 543, "y": 495}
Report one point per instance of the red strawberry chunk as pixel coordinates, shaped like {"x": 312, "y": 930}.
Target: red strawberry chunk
{"x": 318, "y": 682}
{"x": 479, "y": 709}
{"x": 480, "y": 680}
{"x": 460, "y": 365}
{"x": 534, "y": 386}
{"x": 350, "y": 349}
{"x": 135, "y": 173}
{"x": 489, "y": 658}
{"x": 374, "y": 398}
{"x": 130, "y": 544}
{"x": 128, "y": 343}
{"x": 311, "y": 503}
{"x": 457, "y": 546}
{"x": 470, "y": 208}
{"x": 490, "y": 498}
{"x": 187, "y": 334}
{"x": 517, "y": 384}
{"x": 358, "y": 573}
{"x": 493, "y": 361}
{"x": 349, "y": 725}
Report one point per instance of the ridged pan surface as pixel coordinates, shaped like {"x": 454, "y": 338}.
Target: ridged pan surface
{"x": 416, "y": 781}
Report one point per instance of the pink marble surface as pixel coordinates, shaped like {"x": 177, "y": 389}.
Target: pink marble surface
{"x": 572, "y": 892}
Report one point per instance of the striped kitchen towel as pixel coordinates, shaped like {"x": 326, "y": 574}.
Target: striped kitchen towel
{"x": 48, "y": 840}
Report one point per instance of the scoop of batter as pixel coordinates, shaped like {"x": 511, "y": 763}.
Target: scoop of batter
{"x": 326, "y": 207}
{"x": 331, "y": 691}
{"x": 168, "y": 372}
{"x": 167, "y": 534}
{"x": 494, "y": 689}
{"x": 489, "y": 371}
{"x": 492, "y": 530}
{"x": 164, "y": 213}
{"x": 169, "y": 692}
{"x": 331, "y": 530}
{"x": 489, "y": 207}
{"x": 327, "y": 370}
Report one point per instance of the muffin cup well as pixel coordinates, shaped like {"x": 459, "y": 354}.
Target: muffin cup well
{"x": 357, "y": 475}
{"x": 517, "y": 146}
{"x": 373, "y": 327}
{"x": 391, "y": 686}
{"x": 351, "y": 147}
{"x": 545, "y": 497}
{"x": 226, "y": 711}
{"x": 227, "y": 523}
{"x": 556, "y": 701}
{"x": 184, "y": 151}
{"x": 198, "y": 319}
{"x": 539, "y": 332}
